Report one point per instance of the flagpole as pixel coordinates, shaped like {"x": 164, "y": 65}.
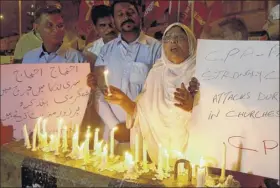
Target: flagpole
{"x": 192, "y": 16}
{"x": 179, "y": 9}
{"x": 19, "y": 17}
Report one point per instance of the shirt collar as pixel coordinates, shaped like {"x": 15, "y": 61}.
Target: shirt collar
{"x": 61, "y": 50}
{"x": 142, "y": 39}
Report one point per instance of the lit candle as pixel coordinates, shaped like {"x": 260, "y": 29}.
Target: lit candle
{"x": 75, "y": 143}
{"x": 128, "y": 160}
{"x": 181, "y": 165}
{"x": 223, "y": 170}
{"x": 39, "y": 120}
{"x": 56, "y": 145}
{"x": 95, "y": 139}
{"x": 112, "y": 141}
{"x": 26, "y": 137}
{"x": 44, "y": 139}
{"x": 194, "y": 170}
{"x": 52, "y": 143}
{"x": 64, "y": 140}
{"x": 104, "y": 155}
{"x": 136, "y": 148}
{"x": 201, "y": 174}
{"x": 81, "y": 151}
{"x": 166, "y": 156}
{"x": 44, "y": 125}
{"x": 98, "y": 148}
{"x": 34, "y": 138}
{"x": 86, "y": 147}
{"x": 106, "y": 72}
{"x": 159, "y": 168}
{"x": 145, "y": 163}
{"x": 59, "y": 131}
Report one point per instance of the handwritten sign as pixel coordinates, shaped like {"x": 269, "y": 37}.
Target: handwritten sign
{"x": 43, "y": 90}
{"x": 239, "y": 106}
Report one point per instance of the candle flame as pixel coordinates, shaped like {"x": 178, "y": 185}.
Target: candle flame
{"x": 39, "y": 120}
{"x": 106, "y": 72}
{"x": 115, "y": 128}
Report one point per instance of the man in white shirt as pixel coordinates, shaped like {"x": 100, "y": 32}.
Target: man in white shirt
{"x": 128, "y": 59}
{"x": 104, "y": 24}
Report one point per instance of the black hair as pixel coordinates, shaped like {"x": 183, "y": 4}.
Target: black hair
{"x": 100, "y": 11}
{"x": 46, "y": 10}
{"x": 132, "y": 2}
{"x": 236, "y": 24}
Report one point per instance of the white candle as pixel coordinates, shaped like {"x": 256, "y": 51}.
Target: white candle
{"x": 181, "y": 165}
{"x": 95, "y": 139}
{"x": 98, "y": 148}
{"x": 193, "y": 170}
{"x": 81, "y": 151}
{"x": 136, "y": 148}
{"x": 52, "y": 143}
{"x": 104, "y": 155}
{"x": 128, "y": 160}
{"x": 44, "y": 125}
{"x": 60, "y": 123}
{"x": 34, "y": 138}
{"x": 201, "y": 174}
{"x": 166, "y": 158}
{"x": 39, "y": 120}
{"x": 223, "y": 170}
{"x": 75, "y": 143}
{"x": 145, "y": 163}
{"x": 112, "y": 141}
{"x": 159, "y": 168}
{"x": 44, "y": 139}
{"x": 106, "y": 72}
{"x": 64, "y": 140}
{"x": 26, "y": 137}
{"x": 86, "y": 147}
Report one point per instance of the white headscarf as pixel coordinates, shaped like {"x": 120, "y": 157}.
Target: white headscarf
{"x": 158, "y": 119}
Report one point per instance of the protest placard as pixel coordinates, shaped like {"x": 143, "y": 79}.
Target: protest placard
{"x": 239, "y": 106}
{"x": 52, "y": 91}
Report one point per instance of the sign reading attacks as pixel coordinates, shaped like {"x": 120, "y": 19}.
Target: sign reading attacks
{"x": 239, "y": 105}
{"x": 43, "y": 90}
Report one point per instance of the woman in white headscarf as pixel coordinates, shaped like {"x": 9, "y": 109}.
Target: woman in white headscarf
{"x": 162, "y": 111}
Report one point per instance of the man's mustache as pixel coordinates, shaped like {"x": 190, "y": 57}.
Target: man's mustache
{"x": 111, "y": 33}
{"x": 127, "y": 21}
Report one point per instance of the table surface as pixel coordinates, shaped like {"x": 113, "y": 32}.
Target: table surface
{"x": 246, "y": 180}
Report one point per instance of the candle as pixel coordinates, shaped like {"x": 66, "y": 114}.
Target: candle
{"x": 95, "y": 139}
{"x": 26, "y": 138}
{"x": 44, "y": 125}
{"x": 98, "y": 148}
{"x": 136, "y": 148}
{"x": 56, "y": 144}
{"x": 200, "y": 180}
{"x": 106, "y": 72}
{"x": 145, "y": 163}
{"x": 52, "y": 143}
{"x": 81, "y": 151}
{"x": 34, "y": 138}
{"x": 39, "y": 127}
{"x": 166, "y": 156}
{"x": 86, "y": 147}
{"x": 128, "y": 160}
{"x": 75, "y": 143}
{"x": 64, "y": 140}
{"x": 44, "y": 139}
{"x": 112, "y": 141}
{"x": 104, "y": 155}
{"x": 181, "y": 165}
{"x": 223, "y": 170}
{"x": 193, "y": 170}
{"x": 59, "y": 131}
{"x": 159, "y": 168}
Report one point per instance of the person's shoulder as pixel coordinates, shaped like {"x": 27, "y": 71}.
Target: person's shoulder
{"x": 30, "y": 55}
{"x": 75, "y": 55}
{"x": 152, "y": 41}
{"x": 109, "y": 46}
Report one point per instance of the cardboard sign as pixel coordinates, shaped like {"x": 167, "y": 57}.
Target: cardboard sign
{"x": 239, "y": 106}
{"x": 43, "y": 90}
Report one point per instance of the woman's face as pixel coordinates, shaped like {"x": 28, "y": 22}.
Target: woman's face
{"x": 175, "y": 45}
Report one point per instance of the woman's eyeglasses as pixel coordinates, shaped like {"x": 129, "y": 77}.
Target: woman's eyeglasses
{"x": 178, "y": 38}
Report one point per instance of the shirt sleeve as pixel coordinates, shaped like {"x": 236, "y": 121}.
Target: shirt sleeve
{"x": 105, "y": 112}
{"x": 18, "y": 54}
{"x": 100, "y": 61}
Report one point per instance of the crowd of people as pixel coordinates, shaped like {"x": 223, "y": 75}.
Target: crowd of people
{"x": 152, "y": 81}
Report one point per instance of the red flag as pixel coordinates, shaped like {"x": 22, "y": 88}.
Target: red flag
{"x": 155, "y": 11}
{"x": 203, "y": 15}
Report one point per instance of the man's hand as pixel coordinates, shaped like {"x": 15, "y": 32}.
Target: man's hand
{"x": 122, "y": 134}
{"x": 184, "y": 97}
{"x": 193, "y": 86}
{"x": 92, "y": 81}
